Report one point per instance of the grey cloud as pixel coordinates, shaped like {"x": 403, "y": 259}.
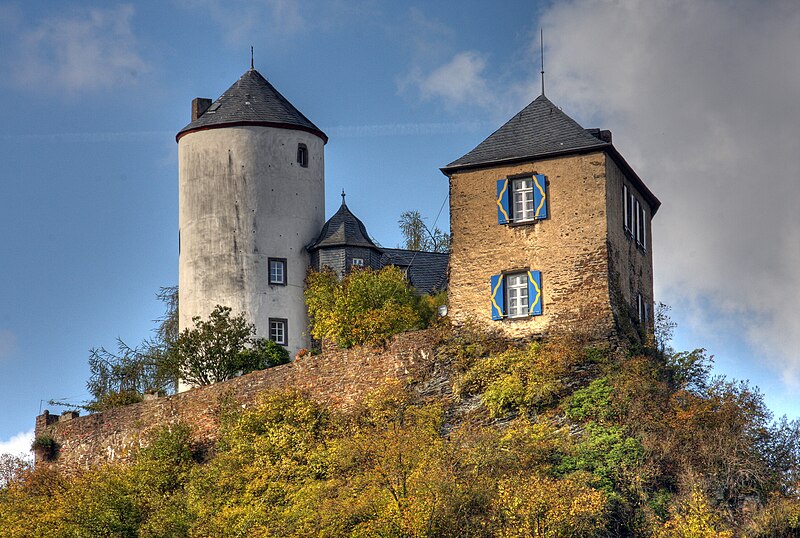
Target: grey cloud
{"x": 703, "y": 100}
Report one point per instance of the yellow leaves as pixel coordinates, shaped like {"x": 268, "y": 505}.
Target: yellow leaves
{"x": 533, "y": 505}
{"x": 693, "y": 518}
{"x": 366, "y": 307}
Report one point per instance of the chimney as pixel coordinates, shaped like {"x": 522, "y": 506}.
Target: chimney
{"x": 199, "y": 106}
{"x": 604, "y": 135}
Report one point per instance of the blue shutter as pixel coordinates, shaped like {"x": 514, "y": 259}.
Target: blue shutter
{"x": 498, "y": 297}
{"x": 540, "y": 196}
{"x": 502, "y": 201}
{"x": 535, "y": 293}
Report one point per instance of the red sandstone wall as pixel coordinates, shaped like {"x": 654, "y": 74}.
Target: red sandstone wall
{"x": 336, "y": 377}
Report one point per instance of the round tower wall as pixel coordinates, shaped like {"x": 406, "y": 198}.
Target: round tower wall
{"x": 243, "y": 199}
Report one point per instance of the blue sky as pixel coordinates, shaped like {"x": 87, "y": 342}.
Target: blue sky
{"x": 701, "y": 98}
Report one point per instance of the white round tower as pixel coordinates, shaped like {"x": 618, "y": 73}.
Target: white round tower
{"x": 251, "y": 197}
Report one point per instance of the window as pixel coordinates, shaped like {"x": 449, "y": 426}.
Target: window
{"x": 357, "y": 262}
{"x": 641, "y": 230}
{"x": 634, "y": 217}
{"x": 626, "y": 196}
{"x": 516, "y": 294}
{"x": 642, "y": 309}
{"x": 302, "y": 155}
{"x": 278, "y": 331}
{"x": 522, "y": 189}
{"x": 521, "y": 199}
{"x": 277, "y": 271}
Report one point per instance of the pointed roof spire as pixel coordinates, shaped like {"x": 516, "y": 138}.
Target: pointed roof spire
{"x": 252, "y": 100}
{"x": 541, "y": 49}
{"x": 343, "y": 229}
{"x": 251, "y": 57}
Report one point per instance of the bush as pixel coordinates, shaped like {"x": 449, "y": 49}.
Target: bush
{"x": 223, "y": 347}
{"x": 366, "y": 307}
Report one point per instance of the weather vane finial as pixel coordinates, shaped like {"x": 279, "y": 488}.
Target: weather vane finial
{"x": 251, "y": 56}
{"x": 343, "y": 195}
{"x": 541, "y": 49}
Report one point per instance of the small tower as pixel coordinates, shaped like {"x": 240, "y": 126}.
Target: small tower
{"x": 251, "y": 197}
{"x": 343, "y": 243}
{"x": 551, "y": 230}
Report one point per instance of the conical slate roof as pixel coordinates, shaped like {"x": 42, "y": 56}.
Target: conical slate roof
{"x": 343, "y": 229}
{"x": 252, "y": 100}
{"x": 540, "y": 129}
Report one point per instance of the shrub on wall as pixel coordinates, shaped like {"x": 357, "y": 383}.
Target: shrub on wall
{"x": 223, "y": 347}
{"x": 366, "y": 307}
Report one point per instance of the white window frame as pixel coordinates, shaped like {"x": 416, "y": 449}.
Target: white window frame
{"x": 279, "y": 331}
{"x": 642, "y": 230}
{"x": 642, "y": 309}
{"x": 522, "y": 193}
{"x": 357, "y": 262}
{"x": 626, "y": 216}
{"x": 274, "y": 277}
{"x": 516, "y": 285}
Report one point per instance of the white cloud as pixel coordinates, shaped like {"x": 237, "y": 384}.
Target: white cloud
{"x": 18, "y": 445}
{"x": 92, "y": 49}
{"x": 244, "y": 22}
{"x": 458, "y": 82}
{"x": 8, "y": 344}
{"x": 702, "y": 97}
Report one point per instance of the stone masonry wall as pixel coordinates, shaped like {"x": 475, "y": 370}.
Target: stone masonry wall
{"x": 630, "y": 266}
{"x": 336, "y": 377}
{"x": 569, "y": 247}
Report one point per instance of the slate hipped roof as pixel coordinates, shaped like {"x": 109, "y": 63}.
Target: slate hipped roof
{"x": 426, "y": 271}
{"x": 538, "y": 131}
{"x": 343, "y": 229}
{"x": 252, "y": 100}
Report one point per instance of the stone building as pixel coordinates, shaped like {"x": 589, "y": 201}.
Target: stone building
{"x": 252, "y": 214}
{"x": 550, "y": 230}
{"x": 550, "y": 225}
{"x": 344, "y": 244}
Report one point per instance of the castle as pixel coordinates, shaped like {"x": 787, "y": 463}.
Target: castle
{"x": 550, "y": 231}
{"x": 550, "y": 225}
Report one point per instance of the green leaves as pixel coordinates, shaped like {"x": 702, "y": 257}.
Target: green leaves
{"x": 223, "y": 347}
{"x": 366, "y": 307}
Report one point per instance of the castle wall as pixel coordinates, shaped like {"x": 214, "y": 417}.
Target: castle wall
{"x": 243, "y": 198}
{"x": 337, "y": 377}
{"x": 569, "y": 247}
{"x": 630, "y": 266}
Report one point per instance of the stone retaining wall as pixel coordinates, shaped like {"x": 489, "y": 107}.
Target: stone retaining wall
{"x": 336, "y": 377}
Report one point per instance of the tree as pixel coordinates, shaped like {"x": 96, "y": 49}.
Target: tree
{"x": 221, "y": 348}
{"x": 417, "y": 235}
{"x": 123, "y": 377}
{"x": 366, "y": 307}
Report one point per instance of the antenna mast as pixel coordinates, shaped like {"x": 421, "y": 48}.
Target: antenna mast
{"x": 541, "y": 49}
{"x": 251, "y": 56}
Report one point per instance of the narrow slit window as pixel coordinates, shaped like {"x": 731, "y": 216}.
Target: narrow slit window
{"x": 302, "y": 155}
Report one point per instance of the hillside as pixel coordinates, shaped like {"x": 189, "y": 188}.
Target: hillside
{"x": 560, "y": 437}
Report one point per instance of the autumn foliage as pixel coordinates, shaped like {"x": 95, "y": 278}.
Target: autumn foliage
{"x": 551, "y": 438}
